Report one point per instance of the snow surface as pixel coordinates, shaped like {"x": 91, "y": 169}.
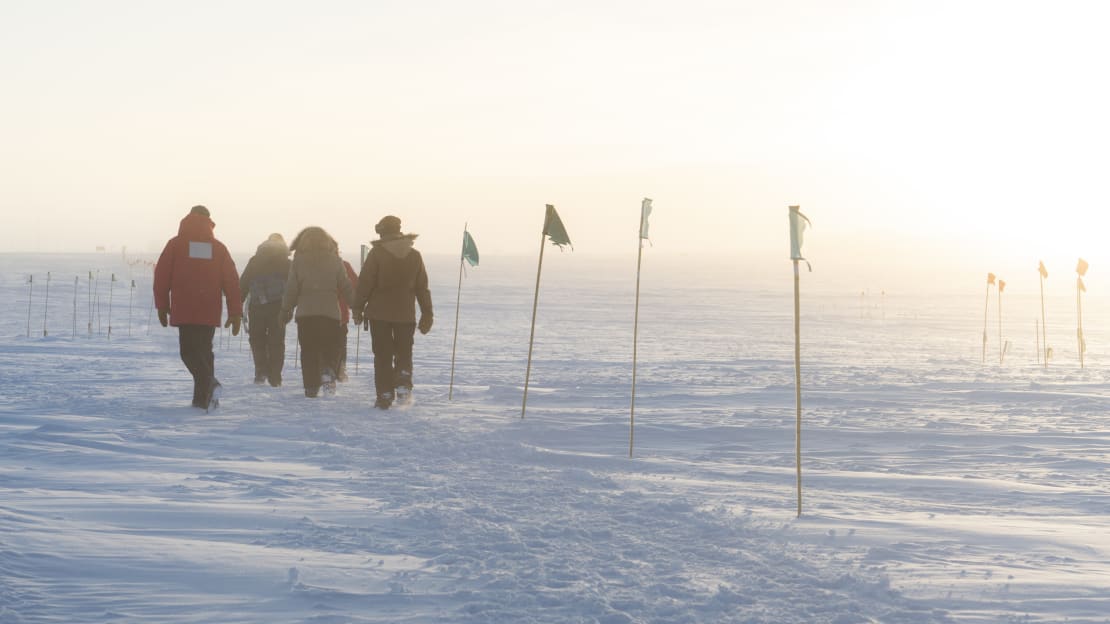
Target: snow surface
{"x": 937, "y": 488}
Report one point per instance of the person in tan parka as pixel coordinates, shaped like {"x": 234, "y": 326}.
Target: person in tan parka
{"x": 315, "y": 277}
{"x": 392, "y": 282}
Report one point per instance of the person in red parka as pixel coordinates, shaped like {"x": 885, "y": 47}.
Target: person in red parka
{"x": 192, "y": 273}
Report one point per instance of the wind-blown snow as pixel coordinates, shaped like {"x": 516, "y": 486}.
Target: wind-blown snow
{"x": 937, "y": 488}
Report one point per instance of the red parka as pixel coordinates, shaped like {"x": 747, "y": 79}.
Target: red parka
{"x": 192, "y": 273}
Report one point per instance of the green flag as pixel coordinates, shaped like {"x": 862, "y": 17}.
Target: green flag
{"x": 469, "y": 249}
{"x": 645, "y": 212}
{"x": 553, "y": 228}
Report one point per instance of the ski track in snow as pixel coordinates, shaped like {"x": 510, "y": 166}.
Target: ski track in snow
{"x": 937, "y": 489}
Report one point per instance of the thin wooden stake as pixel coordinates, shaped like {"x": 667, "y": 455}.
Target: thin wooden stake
{"x": 458, "y": 301}
{"x": 635, "y": 336}
{"x": 46, "y": 304}
{"x": 798, "y": 383}
{"x": 532, "y": 335}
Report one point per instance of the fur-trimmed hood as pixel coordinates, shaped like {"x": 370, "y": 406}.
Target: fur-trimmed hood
{"x": 398, "y": 246}
{"x": 314, "y": 238}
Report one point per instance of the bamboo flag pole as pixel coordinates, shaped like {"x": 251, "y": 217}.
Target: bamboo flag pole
{"x": 469, "y": 253}
{"x": 30, "y": 296}
{"x": 986, "y": 302}
{"x": 99, "y": 326}
{"x": 1001, "y": 344}
{"x": 111, "y": 292}
{"x": 46, "y": 304}
{"x": 1044, "y": 323}
{"x": 532, "y": 334}
{"x": 552, "y": 227}
{"x": 645, "y": 211}
{"x": 455, "y": 338}
{"x": 130, "y": 301}
{"x": 1081, "y": 269}
{"x": 798, "y": 223}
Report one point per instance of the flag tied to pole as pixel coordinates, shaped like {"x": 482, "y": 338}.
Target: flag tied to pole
{"x": 469, "y": 249}
{"x": 645, "y": 212}
{"x": 553, "y": 228}
{"x": 1043, "y": 271}
{"x": 990, "y": 279}
{"x": 798, "y": 222}
{"x": 1001, "y": 286}
{"x": 1082, "y": 267}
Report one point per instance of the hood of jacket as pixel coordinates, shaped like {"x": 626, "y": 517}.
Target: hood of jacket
{"x": 273, "y": 248}
{"x": 197, "y": 227}
{"x": 398, "y": 247}
{"x": 314, "y": 238}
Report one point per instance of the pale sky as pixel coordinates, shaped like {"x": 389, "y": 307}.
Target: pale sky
{"x": 909, "y": 132}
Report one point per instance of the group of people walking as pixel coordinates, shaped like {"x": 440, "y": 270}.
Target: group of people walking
{"x": 317, "y": 288}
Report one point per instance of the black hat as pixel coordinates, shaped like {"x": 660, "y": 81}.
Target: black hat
{"x": 200, "y": 210}
{"x": 388, "y": 225}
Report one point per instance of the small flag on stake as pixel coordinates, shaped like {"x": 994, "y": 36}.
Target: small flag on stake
{"x": 553, "y": 228}
{"x": 1043, "y": 271}
{"x": 1082, "y": 267}
{"x": 1001, "y": 286}
{"x": 469, "y": 249}
{"x": 990, "y": 279}
{"x": 645, "y": 212}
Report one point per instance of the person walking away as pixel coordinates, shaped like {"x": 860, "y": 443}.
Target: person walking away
{"x": 315, "y": 276}
{"x": 263, "y": 281}
{"x": 345, "y": 319}
{"x": 392, "y": 281}
{"x": 192, "y": 273}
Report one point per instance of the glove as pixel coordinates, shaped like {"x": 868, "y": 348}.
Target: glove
{"x": 234, "y": 322}
{"x": 164, "y": 317}
{"x": 356, "y": 317}
{"x": 425, "y": 324}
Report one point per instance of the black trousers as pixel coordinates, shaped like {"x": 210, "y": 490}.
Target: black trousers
{"x": 392, "y": 344}
{"x": 267, "y": 339}
{"x": 195, "y": 342}
{"x": 341, "y": 367}
{"x": 319, "y": 349}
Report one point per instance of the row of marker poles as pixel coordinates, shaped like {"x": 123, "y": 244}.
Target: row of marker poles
{"x": 1040, "y": 328}
{"x": 93, "y": 308}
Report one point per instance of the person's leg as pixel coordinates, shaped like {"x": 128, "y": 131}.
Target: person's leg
{"x": 195, "y": 342}
{"x": 381, "y": 340}
{"x": 309, "y": 337}
{"x": 186, "y": 341}
{"x": 259, "y": 342}
{"x": 273, "y": 337}
{"x": 341, "y": 344}
{"x": 402, "y": 341}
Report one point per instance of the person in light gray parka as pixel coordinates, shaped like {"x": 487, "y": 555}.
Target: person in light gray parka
{"x": 315, "y": 277}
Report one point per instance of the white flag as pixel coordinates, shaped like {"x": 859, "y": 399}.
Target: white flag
{"x": 798, "y": 223}
{"x": 645, "y": 212}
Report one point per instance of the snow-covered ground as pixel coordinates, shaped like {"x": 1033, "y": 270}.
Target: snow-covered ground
{"x": 937, "y": 488}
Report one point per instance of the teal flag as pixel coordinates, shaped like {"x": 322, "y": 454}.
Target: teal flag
{"x": 645, "y": 212}
{"x": 469, "y": 249}
{"x": 553, "y": 228}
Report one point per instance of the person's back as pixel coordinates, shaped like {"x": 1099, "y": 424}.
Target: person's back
{"x": 191, "y": 275}
{"x": 263, "y": 283}
{"x": 315, "y": 278}
{"x": 393, "y": 281}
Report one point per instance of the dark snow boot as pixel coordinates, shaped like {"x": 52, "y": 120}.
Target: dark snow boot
{"x": 385, "y": 400}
